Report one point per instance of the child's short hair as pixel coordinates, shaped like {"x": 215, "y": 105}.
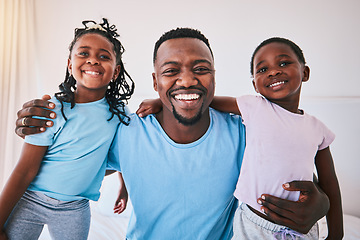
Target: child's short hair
{"x": 297, "y": 50}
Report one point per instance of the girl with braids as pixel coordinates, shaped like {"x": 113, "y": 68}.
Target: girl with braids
{"x": 61, "y": 169}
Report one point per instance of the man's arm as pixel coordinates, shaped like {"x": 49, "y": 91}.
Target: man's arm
{"x": 26, "y": 124}
{"x": 313, "y": 204}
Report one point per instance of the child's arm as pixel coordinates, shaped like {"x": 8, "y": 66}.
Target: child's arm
{"x": 225, "y": 104}
{"x": 149, "y": 106}
{"x": 122, "y": 199}
{"x": 19, "y": 180}
{"x": 329, "y": 184}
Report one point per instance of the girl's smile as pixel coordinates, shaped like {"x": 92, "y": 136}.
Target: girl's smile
{"x": 93, "y": 64}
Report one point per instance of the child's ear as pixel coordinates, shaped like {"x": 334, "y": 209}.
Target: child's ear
{"x": 306, "y": 74}
{"x": 69, "y": 65}
{"x": 154, "y": 81}
{"x": 117, "y": 72}
{"x": 253, "y": 82}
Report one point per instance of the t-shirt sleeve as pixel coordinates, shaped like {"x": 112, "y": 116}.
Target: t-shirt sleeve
{"x": 113, "y": 158}
{"x": 328, "y": 138}
{"x": 245, "y": 104}
{"x": 47, "y": 138}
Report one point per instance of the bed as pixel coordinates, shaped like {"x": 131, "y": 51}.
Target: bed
{"x": 105, "y": 225}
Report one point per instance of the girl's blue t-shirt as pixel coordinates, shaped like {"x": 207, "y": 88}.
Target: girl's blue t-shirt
{"x": 75, "y": 162}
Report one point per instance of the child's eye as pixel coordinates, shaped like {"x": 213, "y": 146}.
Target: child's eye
{"x": 283, "y": 64}
{"x": 105, "y": 57}
{"x": 261, "y": 70}
{"x": 83, "y": 53}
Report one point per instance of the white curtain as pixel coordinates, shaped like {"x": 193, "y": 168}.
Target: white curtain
{"x": 17, "y": 75}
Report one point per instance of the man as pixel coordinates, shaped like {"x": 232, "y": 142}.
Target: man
{"x": 181, "y": 165}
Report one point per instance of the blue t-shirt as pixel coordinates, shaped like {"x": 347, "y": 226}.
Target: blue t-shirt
{"x": 75, "y": 162}
{"x": 180, "y": 191}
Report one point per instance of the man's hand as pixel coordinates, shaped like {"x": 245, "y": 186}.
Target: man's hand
{"x": 26, "y": 124}
{"x": 3, "y": 236}
{"x": 301, "y": 215}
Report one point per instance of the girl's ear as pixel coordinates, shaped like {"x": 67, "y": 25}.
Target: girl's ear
{"x": 154, "y": 81}
{"x": 69, "y": 66}
{"x": 117, "y": 71}
{"x": 306, "y": 74}
{"x": 253, "y": 82}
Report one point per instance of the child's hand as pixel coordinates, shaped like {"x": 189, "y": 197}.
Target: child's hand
{"x": 121, "y": 201}
{"x": 149, "y": 106}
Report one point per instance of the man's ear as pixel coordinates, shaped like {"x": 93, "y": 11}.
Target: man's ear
{"x": 306, "y": 74}
{"x": 154, "y": 81}
{"x": 254, "y": 85}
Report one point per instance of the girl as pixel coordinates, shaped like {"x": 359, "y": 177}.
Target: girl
{"x": 280, "y": 137}
{"x": 60, "y": 170}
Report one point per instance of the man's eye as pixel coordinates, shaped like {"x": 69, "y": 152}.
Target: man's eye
{"x": 202, "y": 70}
{"x": 170, "y": 72}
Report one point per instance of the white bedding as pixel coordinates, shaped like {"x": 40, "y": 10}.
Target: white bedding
{"x": 105, "y": 225}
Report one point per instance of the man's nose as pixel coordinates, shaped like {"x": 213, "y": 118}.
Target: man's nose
{"x": 187, "y": 79}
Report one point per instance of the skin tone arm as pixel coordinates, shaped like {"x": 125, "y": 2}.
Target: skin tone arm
{"x": 122, "y": 199}
{"x": 329, "y": 183}
{"x": 225, "y": 104}
{"x": 23, "y": 174}
{"x": 300, "y": 215}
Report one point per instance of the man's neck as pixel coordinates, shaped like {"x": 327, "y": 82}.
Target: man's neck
{"x": 181, "y": 133}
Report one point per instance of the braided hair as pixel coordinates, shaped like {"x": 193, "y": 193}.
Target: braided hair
{"x": 119, "y": 89}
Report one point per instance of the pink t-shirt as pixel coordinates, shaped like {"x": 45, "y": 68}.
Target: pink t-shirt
{"x": 280, "y": 147}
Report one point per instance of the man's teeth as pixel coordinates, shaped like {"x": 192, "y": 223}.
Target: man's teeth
{"x": 187, "y": 96}
{"x": 277, "y": 83}
{"x": 92, "y": 73}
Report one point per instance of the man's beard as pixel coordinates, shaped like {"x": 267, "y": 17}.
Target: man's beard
{"x": 187, "y": 121}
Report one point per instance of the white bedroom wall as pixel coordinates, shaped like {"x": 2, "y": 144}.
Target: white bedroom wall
{"x": 327, "y": 31}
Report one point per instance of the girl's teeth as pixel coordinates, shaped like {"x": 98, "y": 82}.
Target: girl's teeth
{"x": 277, "y": 83}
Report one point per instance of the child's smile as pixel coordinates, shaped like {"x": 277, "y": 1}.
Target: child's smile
{"x": 93, "y": 65}
{"x": 279, "y": 74}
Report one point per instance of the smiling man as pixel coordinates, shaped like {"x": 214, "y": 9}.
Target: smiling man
{"x": 181, "y": 165}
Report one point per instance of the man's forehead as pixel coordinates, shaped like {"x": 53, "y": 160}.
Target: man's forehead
{"x": 180, "y": 48}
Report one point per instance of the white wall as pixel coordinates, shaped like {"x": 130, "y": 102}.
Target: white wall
{"x": 327, "y": 31}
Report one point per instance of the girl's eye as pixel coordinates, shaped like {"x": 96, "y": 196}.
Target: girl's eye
{"x": 105, "y": 57}
{"x": 83, "y": 53}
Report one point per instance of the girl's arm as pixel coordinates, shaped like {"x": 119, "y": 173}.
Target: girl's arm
{"x": 19, "y": 180}
{"x": 225, "y": 104}
{"x": 122, "y": 199}
{"x": 329, "y": 184}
